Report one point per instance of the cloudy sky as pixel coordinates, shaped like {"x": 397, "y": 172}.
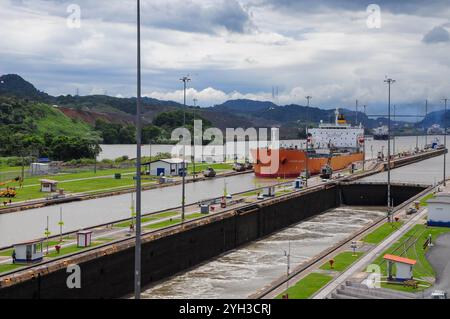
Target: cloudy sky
{"x": 234, "y": 49}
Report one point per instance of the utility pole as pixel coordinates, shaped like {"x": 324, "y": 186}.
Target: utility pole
{"x": 137, "y": 253}
{"x": 445, "y": 138}
{"x": 426, "y": 130}
{"x": 356, "y": 114}
{"x": 185, "y": 80}
{"x": 308, "y": 99}
{"x": 389, "y": 82}
{"x": 364, "y": 145}
{"x": 195, "y": 105}
{"x": 393, "y": 137}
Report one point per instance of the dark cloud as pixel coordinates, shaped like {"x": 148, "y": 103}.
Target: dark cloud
{"x": 436, "y": 35}
{"x": 201, "y": 16}
{"x": 417, "y": 7}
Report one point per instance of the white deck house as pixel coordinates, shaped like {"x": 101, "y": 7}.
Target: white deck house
{"x": 166, "y": 167}
{"x": 439, "y": 210}
{"x": 29, "y": 252}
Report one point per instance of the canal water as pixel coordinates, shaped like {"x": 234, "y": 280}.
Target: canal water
{"x": 242, "y": 272}
{"x": 402, "y": 144}
{"x": 30, "y": 224}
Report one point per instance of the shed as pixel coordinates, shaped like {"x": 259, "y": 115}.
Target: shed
{"x": 439, "y": 210}
{"x": 48, "y": 185}
{"x": 404, "y": 267}
{"x": 29, "y": 252}
{"x": 84, "y": 238}
{"x": 166, "y": 167}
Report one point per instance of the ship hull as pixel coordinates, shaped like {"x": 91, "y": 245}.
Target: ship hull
{"x": 292, "y": 162}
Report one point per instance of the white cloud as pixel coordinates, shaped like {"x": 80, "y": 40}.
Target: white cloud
{"x": 237, "y": 49}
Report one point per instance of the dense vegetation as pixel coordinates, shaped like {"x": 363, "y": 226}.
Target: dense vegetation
{"x": 160, "y": 131}
{"x": 29, "y": 128}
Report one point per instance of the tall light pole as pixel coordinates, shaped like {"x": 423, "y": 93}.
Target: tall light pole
{"x": 426, "y": 114}
{"x": 445, "y": 137}
{"x": 185, "y": 80}
{"x": 356, "y": 114}
{"x": 137, "y": 253}
{"x": 308, "y": 99}
{"x": 195, "y": 105}
{"x": 393, "y": 135}
{"x": 389, "y": 82}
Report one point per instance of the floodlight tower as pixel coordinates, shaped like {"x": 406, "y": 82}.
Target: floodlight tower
{"x": 185, "y": 81}
{"x": 389, "y": 81}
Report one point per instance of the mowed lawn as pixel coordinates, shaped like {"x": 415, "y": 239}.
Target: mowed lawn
{"x": 342, "y": 261}
{"x": 307, "y": 286}
{"x": 417, "y": 252}
{"x": 103, "y": 180}
{"x": 382, "y": 232}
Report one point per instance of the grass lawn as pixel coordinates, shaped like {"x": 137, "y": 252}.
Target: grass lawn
{"x": 68, "y": 182}
{"x": 9, "y": 267}
{"x": 382, "y": 232}
{"x": 416, "y": 251}
{"x": 174, "y": 221}
{"x": 424, "y": 200}
{"x": 342, "y": 261}
{"x": 69, "y": 250}
{"x": 149, "y": 218}
{"x": 307, "y": 286}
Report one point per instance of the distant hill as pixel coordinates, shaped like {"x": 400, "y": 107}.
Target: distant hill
{"x": 15, "y": 85}
{"x": 233, "y": 113}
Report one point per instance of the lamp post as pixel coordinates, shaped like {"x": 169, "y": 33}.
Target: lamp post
{"x": 393, "y": 135}
{"x": 195, "y": 173}
{"x": 389, "y": 82}
{"x": 445, "y": 138}
{"x": 137, "y": 260}
{"x": 185, "y": 80}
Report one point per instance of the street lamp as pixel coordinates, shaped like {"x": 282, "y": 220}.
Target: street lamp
{"x": 137, "y": 260}
{"x": 445, "y": 137}
{"x": 185, "y": 80}
{"x": 195, "y": 105}
{"x": 389, "y": 82}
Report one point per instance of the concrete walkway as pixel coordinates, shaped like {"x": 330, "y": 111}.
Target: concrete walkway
{"x": 366, "y": 259}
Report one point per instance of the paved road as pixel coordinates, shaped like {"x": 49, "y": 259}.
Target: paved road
{"x": 438, "y": 257}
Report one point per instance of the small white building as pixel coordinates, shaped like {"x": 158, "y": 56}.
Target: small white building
{"x": 404, "y": 267}
{"x": 166, "y": 167}
{"x": 439, "y": 210}
{"x": 48, "y": 185}
{"x": 29, "y": 252}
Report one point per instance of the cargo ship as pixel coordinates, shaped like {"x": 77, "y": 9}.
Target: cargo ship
{"x": 336, "y": 145}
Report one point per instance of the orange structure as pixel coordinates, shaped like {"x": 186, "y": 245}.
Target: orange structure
{"x": 292, "y": 162}
{"x": 336, "y": 145}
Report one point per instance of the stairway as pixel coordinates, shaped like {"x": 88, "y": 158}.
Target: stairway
{"x": 353, "y": 290}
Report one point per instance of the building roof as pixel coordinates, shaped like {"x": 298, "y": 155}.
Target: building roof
{"x": 30, "y": 242}
{"x": 399, "y": 259}
{"x": 48, "y": 181}
{"x": 442, "y": 198}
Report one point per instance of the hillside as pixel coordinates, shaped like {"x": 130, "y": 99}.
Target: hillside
{"x": 34, "y": 128}
{"x": 117, "y": 115}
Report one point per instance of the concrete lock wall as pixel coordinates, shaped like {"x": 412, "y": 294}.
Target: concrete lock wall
{"x": 111, "y": 276}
